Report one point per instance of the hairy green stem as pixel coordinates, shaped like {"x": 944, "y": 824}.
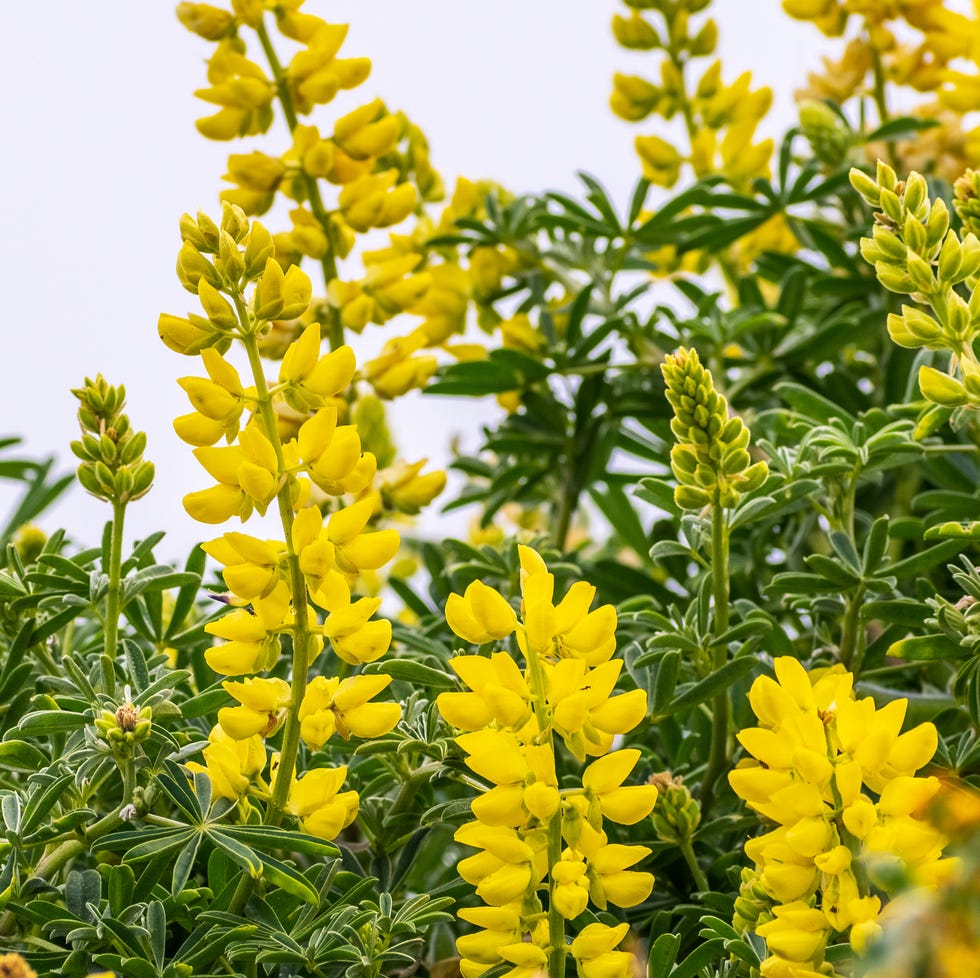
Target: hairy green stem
{"x": 113, "y": 599}
{"x": 297, "y": 585}
{"x": 556, "y": 922}
{"x": 852, "y": 641}
{"x": 700, "y": 880}
{"x": 721, "y": 707}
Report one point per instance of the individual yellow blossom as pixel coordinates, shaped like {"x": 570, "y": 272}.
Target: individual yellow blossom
{"x": 218, "y": 402}
{"x": 332, "y": 454}
{"x": 259, "y": 711}
{"x": 251, "y": 566}
{"x": 353, "y": 636}
{"x": 585, "y": 713}
{"x": 404, "y": 488}
{"x": 594, "y": 950}
{"x": 316, "y": 800}
{"x": 396, "y": 370}
{"x": 242, "y": 90}
{"x": 231, "y": 763}
{"x": 603, "y": 780}
{"x": 374, "y": 201}
{"x": 444, "y": 303}
{"x": 499, "y": 691}
{"x": 310, "y": 379}
{"x": 252, "y": 637}
{"x": 343, "y": 706}
{"x": 480, "y": 615}
{"x": 368, "y": 131}
{"x": 247, "y": 475}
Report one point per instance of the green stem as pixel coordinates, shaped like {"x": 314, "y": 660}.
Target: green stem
{"x": 113, "y": 599}
{"x": 721, "y": 708}
{"x": 556, "y": 922}
{"x": 878, "y": 91}
{"x": 297, "y": 585}
{"x": 328, "y": 264}
{"x": 566, "y": 509}
{"x": 700, "y": 880}
{"x": 852, "y": 639}
{"x": 67, "y": 851}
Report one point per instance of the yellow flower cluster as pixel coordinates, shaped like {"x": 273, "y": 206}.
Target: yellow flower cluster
{"x": 532, "y": 833}
{"x": 837, "y": 777}
{"x": 913, "y": 44}
{"x": 375, "y": 165}
{"x": 242, "y": 287}
{"x": 720, "y": 119}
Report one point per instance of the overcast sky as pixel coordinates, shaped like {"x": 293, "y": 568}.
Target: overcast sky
{"x": 100, "y": 157}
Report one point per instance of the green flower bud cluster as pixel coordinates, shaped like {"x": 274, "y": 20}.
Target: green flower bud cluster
{"x": 711, "y": 459}
{"x": 753, "y": 906}
{"x": 634, "y": 98}
{"x": 676, "y": 814}
{"x": 828, "y": 134}
{"x": 915, "y": 253}
{"x": 126, "y": 727}
{"x": 966, "y": 201}
{"x": 216, "y": 263}
{"x": 113, "y": 467}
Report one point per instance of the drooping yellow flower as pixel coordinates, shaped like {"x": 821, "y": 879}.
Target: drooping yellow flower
{"x": 231, "y": 763}
{"x": 343, "y": 706}
{"x": 258, "y": 713}
{"x": 316, "y": 800}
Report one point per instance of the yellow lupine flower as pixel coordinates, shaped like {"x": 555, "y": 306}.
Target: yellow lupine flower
{"x": 353, "y": 636}
{"x": 230, "y": 763}
{"x": 247, "y": 475}
{"x": 613, "y": 880}
{"x": 815, "y": 750}
{"x": 354, "y": 550}
{"x": 405, "y": 489}
{"x": 316, "y": 800}
{"x": 444, "y": 304}
{"x": 396, "y": 370}
{"x": 258, "y": 713}
{"x": 571, "y": 890}
{"x": 604, "y": 779}
{"x": 480, "y": 615}
{"x": 251, "y": 566}
{"x": 312, "y": 379}
{"x": 374, "y": 201}
{"x": 594, "y": 950}
{"x": 500, "y": 692}
{"x": 252, "y": 641}
{"x": 343, "y": 706}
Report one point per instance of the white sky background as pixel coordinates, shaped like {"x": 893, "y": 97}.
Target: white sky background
{"x": 99, "y": 157}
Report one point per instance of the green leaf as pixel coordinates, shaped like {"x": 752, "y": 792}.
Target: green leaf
{"x": 809, "y": 403}
{"x": 160, "y": 841}
{"x": 918, "y": 563}
{"x": 184, "y": 863}
{"x": 707, "y": 954}
{"x": 17, "y": 755}
{"x": 928, "y": 647}
{"x": 665, "y": 680}
{"x": 42, "y": 801}
{"x": 712, "y": 685}
{"x": 663, "y": 954}
{"x": 412, "y": 672}
{"x": 245, "y": 857}
{"x": 46, "y": 723}
{"x": 903, "y": 128}
{"x": 267, "y": 837}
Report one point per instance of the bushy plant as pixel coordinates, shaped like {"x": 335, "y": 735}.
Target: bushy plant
{"x": 700, "y": 694}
